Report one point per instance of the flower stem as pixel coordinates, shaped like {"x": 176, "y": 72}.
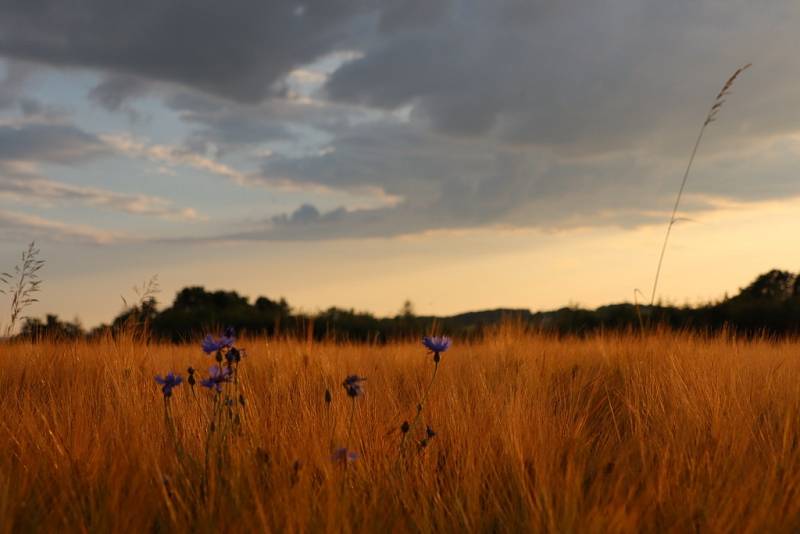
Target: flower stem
{"x": 420, "y": 406}
{"x": 350, "y": 422}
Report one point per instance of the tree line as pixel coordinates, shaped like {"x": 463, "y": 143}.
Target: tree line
{"x": 769, "y": 305}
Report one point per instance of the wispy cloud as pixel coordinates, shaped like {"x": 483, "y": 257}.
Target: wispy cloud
{"x": 22, "y": 182}
{"x": 42, "y": 190}
{"x": 172, "y": 156}
{"x": 48, "y": 141}
{"x": 16, "y": 226}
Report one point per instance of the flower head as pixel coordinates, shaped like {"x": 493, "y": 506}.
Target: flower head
{"x": 352, "y": 384}
{"x": 233, "y": 355}
{"x": 344, "y": 456}
{"x": 437, "y": 344}
{"x": 225, "y": 341}
{"x": 216, "y": 377}
{"x": 168, "y": 383}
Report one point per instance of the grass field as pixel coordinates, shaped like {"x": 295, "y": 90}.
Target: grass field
{"x": 668, "y": 432}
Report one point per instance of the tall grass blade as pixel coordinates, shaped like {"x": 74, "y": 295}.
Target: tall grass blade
{"x": 713, "y": 111}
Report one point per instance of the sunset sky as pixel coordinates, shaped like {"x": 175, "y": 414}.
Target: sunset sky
{"x": 462, "y": 154}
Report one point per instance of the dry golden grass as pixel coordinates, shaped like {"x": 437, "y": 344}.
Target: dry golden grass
{"x": 613, "y": 433}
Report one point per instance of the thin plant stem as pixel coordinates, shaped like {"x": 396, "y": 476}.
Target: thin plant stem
{"x": 212, "y": 428}
{"x": 719, "y": 100}
{"x": 331, "y": 423}
{"x": 420, "y": 407}
{"x": 672, "y": 218}
{"x": 350, "y": 422}
{"x": 636, "y": 292}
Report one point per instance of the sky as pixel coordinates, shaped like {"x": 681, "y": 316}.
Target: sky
{"x": 462, "y": 154}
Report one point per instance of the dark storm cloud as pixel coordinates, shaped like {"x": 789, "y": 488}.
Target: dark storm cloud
{"x": 236, "y": 49}
{"x": 398, "y": 15}
{"x": 583, "y": 76}
{"x": 575, "y": 74}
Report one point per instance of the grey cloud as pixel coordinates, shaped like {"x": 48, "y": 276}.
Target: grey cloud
{"x": 399, "y": 158}
{"x": 581, "y": 76}
{"x": 31, "y": 189}
{"x": 448, "y": 183}
{"x": 114, "y": 90}
{"x": 234, "y": 126}
{"x": 227, "y": 126}
{"x": 525, "y": 113}
{"x": 14, "y": 87}
{"x": 231, "y": 128}
{"x": 12, "y": 84}
{"x": 235, "y": 49}
{"x": 404, "y": 14}
{"x": 16, "y": 226}
{"x": 304, "y": 214}
{"x": 31, "y": 107}
{"x": 55, "y": 143}
{"x": 576, "y": 75}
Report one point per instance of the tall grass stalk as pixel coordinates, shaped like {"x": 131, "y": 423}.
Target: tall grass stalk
{"x": 719, "y": 100}
{"x": 21, "y": 285}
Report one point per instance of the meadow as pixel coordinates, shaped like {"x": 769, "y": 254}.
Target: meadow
{"x": 620, "y": 433}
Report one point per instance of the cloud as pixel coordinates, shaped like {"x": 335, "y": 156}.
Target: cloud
{"x": 579, "y": 76}
{"x": 576, "y": 75}
{"x": 49, "y": 142}
{"x": 239, "y": 50}
{"x": 27, "y": 188}
{"x": 172, "y": 156}
{"x": 12, "y": 85}
{"x": 115, "y": 89}
{"x": 446, "y": 183}
{"x": 26, "y": 143}
{"x": 458, "y": 113}
{"x": 15, "y": 226}
{"x": 228, "y": 127}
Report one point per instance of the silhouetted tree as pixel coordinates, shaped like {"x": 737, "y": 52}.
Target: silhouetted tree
{"x": 51, "y": 327}
{"x": 773, "y": 285}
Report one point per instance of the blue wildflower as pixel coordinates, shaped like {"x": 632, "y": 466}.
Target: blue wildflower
{"x": 437, "y": 344}
{"x": 169, "y": 382}
{"x": 226, "y": 341}
{"x": 352, "y": 384}
{"x": 216, "y": 377}
{"x": 344, "y": 456}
